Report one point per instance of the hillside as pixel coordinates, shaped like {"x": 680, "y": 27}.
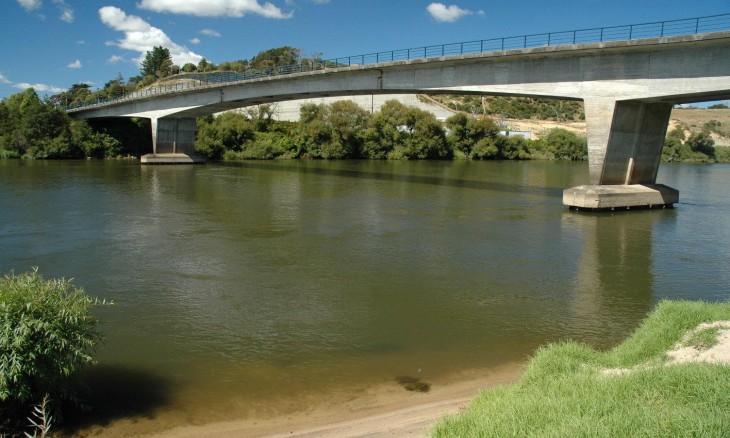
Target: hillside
{"x": 693, "y": 120}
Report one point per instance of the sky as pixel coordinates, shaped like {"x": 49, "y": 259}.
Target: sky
{"x": 52, "y": 44}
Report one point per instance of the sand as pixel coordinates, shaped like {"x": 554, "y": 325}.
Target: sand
{"x": 382, "y": 411}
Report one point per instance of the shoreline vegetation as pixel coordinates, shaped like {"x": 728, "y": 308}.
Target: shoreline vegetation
{"x": 34, "y": 129}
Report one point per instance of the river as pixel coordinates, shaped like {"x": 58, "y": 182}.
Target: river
{"x": 260, "y": 288}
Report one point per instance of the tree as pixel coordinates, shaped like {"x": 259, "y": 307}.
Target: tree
{"x": 466, "y": 131}
{"x": 48, "y": 333}
{"x": 718, "y": 106}
{"x": 157, "y": 62}
{"x": 702, "y": 143}
{"x": 227, "y": 132}
{"x": 401, "y": 132}
{"x": 565, "y": 145}
{"x": 277, "y": 57}
{"x": 189, "y": 67}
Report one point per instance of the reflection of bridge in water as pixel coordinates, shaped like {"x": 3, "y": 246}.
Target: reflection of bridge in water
{"x": 628, "y": 77}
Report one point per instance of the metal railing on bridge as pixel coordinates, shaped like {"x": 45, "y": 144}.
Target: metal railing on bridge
{"x": 659, "y": 29}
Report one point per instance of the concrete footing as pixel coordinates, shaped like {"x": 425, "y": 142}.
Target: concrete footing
{"x": 172, "y": 159}
{"x": 620, "y": 197}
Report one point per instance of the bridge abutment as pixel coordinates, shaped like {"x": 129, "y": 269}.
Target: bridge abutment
{"x": 625, "y": 140}
{"x": 173, "y": 141}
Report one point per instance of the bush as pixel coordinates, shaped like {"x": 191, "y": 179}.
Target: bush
{"x": 46, "y": 334}
{"x": 565, "y": 145}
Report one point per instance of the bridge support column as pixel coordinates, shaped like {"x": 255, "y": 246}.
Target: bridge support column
{"x": 173, "y": 142}
{"x": 625, "y": 140}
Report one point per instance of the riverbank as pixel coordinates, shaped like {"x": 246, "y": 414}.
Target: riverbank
{"x": 670, "y": 378}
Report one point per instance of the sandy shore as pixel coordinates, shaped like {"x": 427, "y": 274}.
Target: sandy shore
{"x": 382, "y": 411}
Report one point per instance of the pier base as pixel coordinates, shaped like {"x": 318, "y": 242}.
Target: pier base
{"x": 172, "y": 159}
{"x": 620, "y": 197}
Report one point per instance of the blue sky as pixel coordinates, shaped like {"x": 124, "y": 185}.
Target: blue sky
{"x": 52, "y": 44}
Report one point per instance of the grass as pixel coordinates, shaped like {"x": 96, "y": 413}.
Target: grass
{"x": 564, "y": 394}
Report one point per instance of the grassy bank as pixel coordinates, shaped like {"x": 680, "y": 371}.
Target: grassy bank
{"x": 566, "y": 392}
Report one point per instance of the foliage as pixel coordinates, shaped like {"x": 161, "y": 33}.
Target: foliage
{"x": 344, "y": 130}
{"x": 277, "y": 57}
{"x": 564, "y": 393}
{"x": 332, "y": 131}
{"x": 47, "y": 334}
{"x": 514, "y": 107}
{"x": 565, "y": 145}
{"x": 228, "y": 131}
{"x": 157, "y": 63}
{"x": 401, "y": 132}
{"x": 718, "y": 106}
{"x": 31, "y": 128}
{"x": 698, "y": 147}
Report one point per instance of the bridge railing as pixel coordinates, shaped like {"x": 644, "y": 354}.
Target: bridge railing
{"x": 659, "y": 29}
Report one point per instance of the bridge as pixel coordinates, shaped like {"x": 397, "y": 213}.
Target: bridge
{"x": 628, "y": 77}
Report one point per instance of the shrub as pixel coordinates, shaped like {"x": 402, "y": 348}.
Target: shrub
{"x": 46, "y": 334}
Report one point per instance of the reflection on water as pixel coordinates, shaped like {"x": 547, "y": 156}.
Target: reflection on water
{"x": 261, "y": 286}
{"x": 614, "y": 277}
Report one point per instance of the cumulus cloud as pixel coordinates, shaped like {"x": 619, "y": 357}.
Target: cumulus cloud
{"x": 215, "y": 8}
{"x": 140, "y": 36}
{"x": 26, "y": 85}
{"x": 209, "y": 32}
{"x": 30, "y": 5}
{"x": 75, "y": 64}
{"x": 194, "y": 40}
{"x": 114, "y": 59}
{"x": 39, "y": 87}
{"x": 448, "y": 14}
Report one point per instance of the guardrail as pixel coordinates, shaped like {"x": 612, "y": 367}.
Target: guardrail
{"x": 659, "y": 29}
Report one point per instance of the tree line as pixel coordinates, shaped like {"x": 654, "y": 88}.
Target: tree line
{"x": 344, "y": 130}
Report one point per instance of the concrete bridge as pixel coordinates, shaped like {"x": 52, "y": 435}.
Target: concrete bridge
{"x": 628, "y": 88}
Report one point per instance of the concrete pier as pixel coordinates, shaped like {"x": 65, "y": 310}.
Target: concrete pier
{"x": 173, "y": 142}
{"x": 620, "y": 197}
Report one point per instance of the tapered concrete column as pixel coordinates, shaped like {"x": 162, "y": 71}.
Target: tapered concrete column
{"x": 173, "y": 141}
{"x": 173, "y": 136}
{"x": 625, "y": 140}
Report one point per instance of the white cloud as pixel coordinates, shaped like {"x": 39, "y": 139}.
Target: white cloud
{"x": 140, "y": 36}
{"x": 75, "y": 64}
{"x": 194, "y": 40}
{"x": 209, "y": 32}
{"x": 449, "y": 14}
{"x": 39, "y": 87}
{"x": 25, "y": 85}
{"x": 215, "y": 8}
{"x": 67, "y": 14}
{"x": 114, "y": 59}
{"x": 30, "y": 5}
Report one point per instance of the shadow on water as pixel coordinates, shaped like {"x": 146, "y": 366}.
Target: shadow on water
{"x": 112, "y": 393}
{"x": 407, "y": 178}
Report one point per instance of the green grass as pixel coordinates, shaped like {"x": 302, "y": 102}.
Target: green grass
{"x": 563, "y": 393}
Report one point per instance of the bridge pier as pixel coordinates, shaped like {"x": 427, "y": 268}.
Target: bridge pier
{"x": 173, "y": 142}
{"x": 625, "y": 140}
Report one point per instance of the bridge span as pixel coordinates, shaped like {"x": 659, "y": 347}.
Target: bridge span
{"x": 628, "y": 88}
